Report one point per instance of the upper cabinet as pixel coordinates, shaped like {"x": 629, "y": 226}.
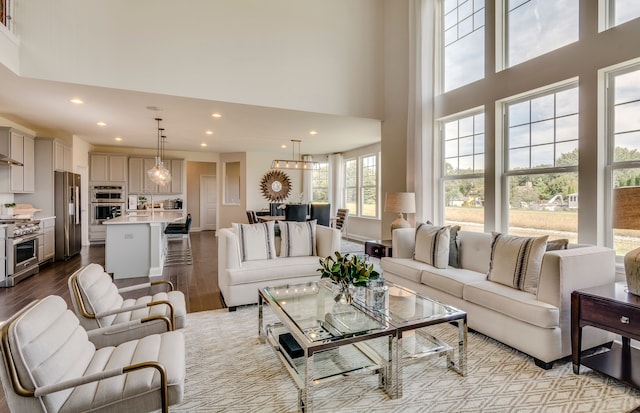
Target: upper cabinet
{"x": 17, "y": 171}
{"x": 63, "y": 157}
{"x": 107, "y": 168}
{"x": 139, "y": 182}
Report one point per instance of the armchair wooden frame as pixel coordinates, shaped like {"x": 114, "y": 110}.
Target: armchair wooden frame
{"x": 170, "y": 321}
{"x": 21, "y": 390}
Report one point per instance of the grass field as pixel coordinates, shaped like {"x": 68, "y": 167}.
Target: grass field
{"x": 556, "y": 224}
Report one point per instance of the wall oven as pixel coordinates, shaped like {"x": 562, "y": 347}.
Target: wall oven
{"x": 104, "y": 193}
{"x": 103, "y": 211}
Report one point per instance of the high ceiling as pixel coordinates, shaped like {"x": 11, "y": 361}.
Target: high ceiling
{"x": 45, "y": 107}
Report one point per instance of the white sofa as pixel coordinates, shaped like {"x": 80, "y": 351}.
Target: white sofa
{"x": 536, "y": 324}
{"x": 239, "y": 280}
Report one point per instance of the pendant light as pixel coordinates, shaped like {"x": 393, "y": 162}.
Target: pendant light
{"x": 159, "y": 174}
{"x": 296, "y": 162}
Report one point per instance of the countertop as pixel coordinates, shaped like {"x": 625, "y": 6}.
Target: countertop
{"x": 145, "y": 217}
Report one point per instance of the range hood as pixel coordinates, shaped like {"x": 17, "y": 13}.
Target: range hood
{"x": 4, "y": 159}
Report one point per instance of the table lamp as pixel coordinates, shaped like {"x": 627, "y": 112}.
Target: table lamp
{"x": 400, "y": 203}
{"x": 626, "y": 215}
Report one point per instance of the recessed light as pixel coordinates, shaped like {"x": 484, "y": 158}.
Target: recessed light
{"x": 118, "y": 138}
{"x": 203, "y": 144}
{"x": 77, "y": 101}
{"x": 283, "y": 146}
{"x": 209, "y": 132}
{"x": 101, "y": 124}
{"x": 313, "y": 132}
{"x": 216, "y": 115}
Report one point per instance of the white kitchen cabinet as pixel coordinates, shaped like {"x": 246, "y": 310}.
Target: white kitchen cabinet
{"x": 63, "y": 158}
{"x": 47, "y": 240}
{"x": 139, "y": 182}
{"x": 107, "y": 168}
{"x": 19, "y": 148}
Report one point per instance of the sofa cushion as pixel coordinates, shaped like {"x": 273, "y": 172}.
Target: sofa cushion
{"x": 274, "y": 270}
{"x": 516, "y": 261}
{"x": 432, "y": 245}
{"x": 454, "y": 246}
{"x": 298, "y": 239}
{"x": 404, "y": 267}
{"x": 557, "y": 244}
{"x": 450, "y": 280}
{"x": 256, "y": 241}
{"x": 517, "y": 304}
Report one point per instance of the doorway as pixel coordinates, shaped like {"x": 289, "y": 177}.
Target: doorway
{"x": 208, "y": 202}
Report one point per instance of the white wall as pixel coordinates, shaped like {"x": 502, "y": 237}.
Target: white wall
{"x": 319, "y": 56}
{"x": 259, "y": 164}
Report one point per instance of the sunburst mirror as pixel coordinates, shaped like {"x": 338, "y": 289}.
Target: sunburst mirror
{"x": 275, "y": 186}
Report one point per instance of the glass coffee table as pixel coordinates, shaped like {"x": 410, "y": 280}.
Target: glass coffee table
{"x": 320, "y": 340}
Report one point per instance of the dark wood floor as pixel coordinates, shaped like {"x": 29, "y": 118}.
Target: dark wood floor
{"x": 198, "y": 282}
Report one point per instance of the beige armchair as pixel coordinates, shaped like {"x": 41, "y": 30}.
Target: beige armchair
{"x": 98, "y": 304}
{"x": 50, "y": 365}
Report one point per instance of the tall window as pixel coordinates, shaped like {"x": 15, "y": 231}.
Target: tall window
{"x": 369, "y": 187}
{"x": 361, "y": 185}
{"x": 541, "y": 151}
{"x": 463, "y": 42}
{"x": 463, "y": 175}
{"x": 535, "y": 27}
{"x": 320, "y": 183}
{"x": 620, "y": 11}
{"x": 351, "y": 185}
{"x": 624, "y": 144}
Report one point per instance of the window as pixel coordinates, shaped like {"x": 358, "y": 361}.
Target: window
{"x": 535, "y": 27}
{"x": 463, "y": 153}
{"x": 320, "y": 183}
{"x": 463, "y": 42}
{"x": 351, "y": 185}
{"x": 361, "y": 185}
{"x": 369, "y": 187}
{"x": 541, "y": 150}
{"x": 620, "y": 11}
{"x": 624, "y": 141}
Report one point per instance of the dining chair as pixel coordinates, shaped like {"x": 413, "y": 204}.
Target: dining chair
{"x": 321, "y": 213}
{"x": 341, "y": 220}
{"x": 295, "y": 212}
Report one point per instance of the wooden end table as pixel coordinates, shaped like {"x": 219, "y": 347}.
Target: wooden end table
{"x": 378, "y": 248}
{"x": 608, "y": 307}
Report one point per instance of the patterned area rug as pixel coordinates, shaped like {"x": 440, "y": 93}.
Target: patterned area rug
{"x": 228, "y": 370}
{"x": 351, "y": 247}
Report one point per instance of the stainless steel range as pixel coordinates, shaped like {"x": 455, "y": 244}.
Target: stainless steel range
{"x": 22, "y": 250}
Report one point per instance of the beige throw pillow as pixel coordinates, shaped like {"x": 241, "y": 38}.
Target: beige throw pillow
{"x": 298, "y": 238}
{"x": 256, "y": 241}
{"x": 516, "y": 261}
{"x": 432, "y": 245}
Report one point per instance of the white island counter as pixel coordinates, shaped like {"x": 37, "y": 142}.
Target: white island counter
{"x": 135, "y": 243}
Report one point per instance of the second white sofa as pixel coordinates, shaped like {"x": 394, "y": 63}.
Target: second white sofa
{"x": 538, "y": 324}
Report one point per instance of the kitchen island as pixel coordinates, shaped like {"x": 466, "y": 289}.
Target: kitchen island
{"x": 135, "y": 244}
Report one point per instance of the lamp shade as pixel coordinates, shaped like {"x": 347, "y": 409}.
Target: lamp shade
{"x": 400, "y": 202}
{"x": 626, "y": 207}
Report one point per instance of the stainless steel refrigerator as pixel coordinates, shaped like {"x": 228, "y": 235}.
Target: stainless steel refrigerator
{"x": 68, "y": 219}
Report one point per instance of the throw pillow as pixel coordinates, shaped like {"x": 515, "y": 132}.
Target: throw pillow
{"x": 432, "y": 245}
{"x": 298, "y": 238}
{"x": 454, "y": 247}
{"x": 557, "y": 244}
{"x": 256, "y": 241}
{"x": 516, "y": 261}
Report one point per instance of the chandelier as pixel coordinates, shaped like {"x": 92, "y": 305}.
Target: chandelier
{"x": 296, "y": 162}
{"x": 159, "y": 174}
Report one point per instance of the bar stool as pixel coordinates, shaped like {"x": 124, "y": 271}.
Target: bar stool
{"x": 183, "y": 256}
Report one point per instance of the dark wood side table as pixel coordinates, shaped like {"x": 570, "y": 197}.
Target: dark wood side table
{"x": 611, "y": 308}
{"x": 378, "y": 248}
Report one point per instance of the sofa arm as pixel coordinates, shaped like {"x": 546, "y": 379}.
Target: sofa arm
{"x": 403, "y": 242}
{"x": 565, "y": 271}
{"x": 327, "y": 241}
{"x": 228, "y": 255}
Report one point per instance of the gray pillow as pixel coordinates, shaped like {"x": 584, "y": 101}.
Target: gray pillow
{"x": 454, "y": 246}
{"x": 557, "y": 244}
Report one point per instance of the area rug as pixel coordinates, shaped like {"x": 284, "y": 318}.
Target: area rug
{"x": 229, "y": 370}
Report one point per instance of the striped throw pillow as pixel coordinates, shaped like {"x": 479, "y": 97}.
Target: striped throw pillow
{"x": 432, "y": 245}
{"x": 256, "y": 241}
{"x": 516, "y": 261}
{"x": 298, "y": 238}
